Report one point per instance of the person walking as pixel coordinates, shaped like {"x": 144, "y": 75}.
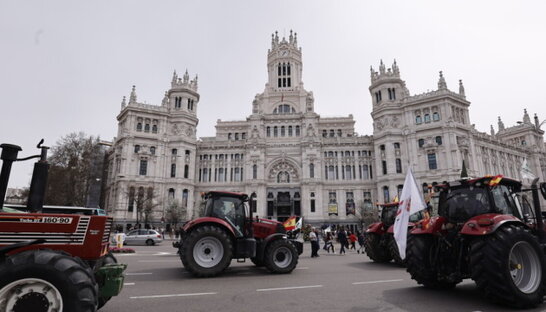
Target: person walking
{"x": 328, "y": 243}
{"x": 314, "y": 243}
{"x": 360, "y": 236}
{"x": 352, "y": 239}
{"x": 342, "y": 238}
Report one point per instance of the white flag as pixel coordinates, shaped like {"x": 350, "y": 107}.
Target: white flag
{"x": 411, "y": 201}
{"x": 525, "y": 171}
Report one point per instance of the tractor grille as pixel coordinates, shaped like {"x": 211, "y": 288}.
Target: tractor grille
{"x": 76, "y": 238}
{"x": 107, "y": 230}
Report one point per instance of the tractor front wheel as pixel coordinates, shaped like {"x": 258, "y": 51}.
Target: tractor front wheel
{"x": 281, "y": 256}
{"x": 508, "y": 266}
{"x": 206, "y": 251}
{"x": 419, "y": 253}
{"x": 395, "y": 253}
{"x": 374, "y": 248}
{"x": 46, "y": 280}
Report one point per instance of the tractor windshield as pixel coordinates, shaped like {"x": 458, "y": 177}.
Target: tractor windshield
{"x": 505, "y": 202}
{"x": 388, "y": 214}
{"x": 461, "y": 204}
{"x": 227, "y": 208}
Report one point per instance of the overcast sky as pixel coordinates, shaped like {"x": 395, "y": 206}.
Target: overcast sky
{"x": 65, "y": 65}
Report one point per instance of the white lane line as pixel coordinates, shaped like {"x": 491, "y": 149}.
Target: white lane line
{"x": 289, "y": 288}
{"x": 128, "y": 284}
{"x": 173, "y": 295}
{"x": 376, "y": 282}
{"x": 138, "y": 274}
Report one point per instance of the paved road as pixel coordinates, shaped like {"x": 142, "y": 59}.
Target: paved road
{"x": 157, "y": 281}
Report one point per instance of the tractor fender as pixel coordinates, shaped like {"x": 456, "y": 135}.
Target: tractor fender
{"x": 193, "y": 224}
{"x": 488, "y": 223}
{"x": 6, "y": 249}
{"x": 376, "y": 228}
{"x": 428, "y": 226}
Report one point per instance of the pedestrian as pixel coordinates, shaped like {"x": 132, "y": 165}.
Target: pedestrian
{"x": 352, "y": 239}
{"x": 328, "y": 243}
{"x": 342, "y": 238}
{"x": 360, "y": 236}
{"x": 314, "y": 243}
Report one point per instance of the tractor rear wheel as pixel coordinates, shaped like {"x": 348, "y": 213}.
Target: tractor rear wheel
{"x": 419, "y": 265}
{"x": 108, "y": 259}
{"x": 46, "y": 280}
{"x": 374, "y": 249}
{"x": 509, "y": 267}
{"x": 281, "y": 256}
{"x": 206, "y": 251}
{"x": 395, "y": 253}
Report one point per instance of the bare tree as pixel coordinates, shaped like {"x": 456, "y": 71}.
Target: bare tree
{"x": 175, "y": 213}
{"x": 145, "y": 200}
{"x": 366, "y": 213}
{"x": 76, "y": 163}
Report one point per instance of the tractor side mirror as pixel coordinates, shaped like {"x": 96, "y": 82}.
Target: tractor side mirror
{"x": 543, "y": 189}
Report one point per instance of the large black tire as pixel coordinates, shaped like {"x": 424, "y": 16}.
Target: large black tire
{"x": 257, "y": 262}
{"x": 46, "y": 280}
{"x": 374, "y": 250}
{"x": 281, "y": 257}
{"x": 395, "y": 254}
{"x": 206, "y": 251}
{"x": 509, "y": 267}
{"x": 418, "y": 262}
{"x": 108, "y": 259}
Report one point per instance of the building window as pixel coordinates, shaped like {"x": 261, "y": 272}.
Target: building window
{"x": 173, "y": 170}
{"x": 331, "y": 173}
{"x": 275, "y": 131}
{"x": 282, "y": 131}
{"x": 185, "y": 198}
{"x": 154, "y": 128}
{"x": 254, "y": 172}
{"x": 171, "y": 194}
{"x": 386, "y": 195}
{"x": 399, "y": 190}
{"x": 289, "y": 130}
{"x": 439, "y": 140}
{"x": 435, "y": 116}
{"x": 350, "y": 203}
{"x": 365, "y": 174}
{"x": 137, "y": 148}
{"x": 311, "y": 171}
{"x": 131, "y": 199}
{"x": 236, "y": 136}
{"x": 186, "y": 171}
{"x": 427, "y": 118}
{"x": 332, "y": 133}
{"x": 418, "y": 119}
{"x": 237, "y": 174}
{"x": 139, "y": 126}
{"x": 398, "y": 165}
{"x": 147, "y": 128}
{"x": 243, "y": 136}
{"x": 382, "y": 147}
{"x": 432, "y": 165}
{"x": 229, "y": 136}
{"x": 384, "y": 166}
{"x": 324, "y": 133}
{"x": 313, "y": 205}
{"x": 421, "y": 142}
{"x": 297, "y": 130}
{"x": 143, "y": 169}
{"x": 152, "y": 150}
{"x": 339, "y": 133}
{"x": 174, "y": 151}
{"x": 396, "y": 145}
{"x": 268, "y": 131}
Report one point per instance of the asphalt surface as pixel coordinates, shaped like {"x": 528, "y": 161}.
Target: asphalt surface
{"x": 156, "y": 281}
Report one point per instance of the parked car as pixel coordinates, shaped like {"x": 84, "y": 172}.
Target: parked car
{"x": 141, "y": 237}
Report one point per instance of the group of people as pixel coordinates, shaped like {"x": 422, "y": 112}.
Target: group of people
{"x": 346, "y": 239}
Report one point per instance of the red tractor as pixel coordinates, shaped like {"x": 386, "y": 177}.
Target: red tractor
{"x": 486, "y": 230}
{"x": 52, "y": 262}
{"x": 228, "y": 231}
{"x": 379, "y": 238}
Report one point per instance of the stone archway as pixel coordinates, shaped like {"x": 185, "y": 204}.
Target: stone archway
{"x": 283, "y": 171}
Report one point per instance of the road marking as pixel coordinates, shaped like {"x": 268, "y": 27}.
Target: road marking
{"x": 128, "y": 284}
{"x": 289, "y": 288}
{"x": 150, "y": 261}
{"x": 174, "y": 295}
{"x": 138, "y": 274}
{"x": 376, "y": 282}
{"x": 162, "y": 253}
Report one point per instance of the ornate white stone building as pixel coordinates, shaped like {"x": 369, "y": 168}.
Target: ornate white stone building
{"x": 294, "y": 161}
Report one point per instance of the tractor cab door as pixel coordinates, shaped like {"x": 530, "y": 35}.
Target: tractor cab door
{"x": 230, "y": 209}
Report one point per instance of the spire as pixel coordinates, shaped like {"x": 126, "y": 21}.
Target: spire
{"x": 381, "y": 67}
{"x": 175, "y": 77}
{"x": 133, "y": 97}
{"x": 461, "y": 87}
{"x": 526, "y": 118}
{"x": 442, "y": 82}
{"x": 295, "y": 39}
{"x": 291, "y": 38}
{"x": 501, "y": 125}
{"x": 186, "y": 76}
{"x": 492, "y": 131}
{"x": 395, "y": 68}
{"x": 537, "y": 121}
{"x": 123, "y": 103}
{"x": 165, "y": 101}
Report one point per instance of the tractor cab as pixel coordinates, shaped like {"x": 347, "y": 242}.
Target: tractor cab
{"x": 231, "y": 208}
{"x": 388, "y": 213}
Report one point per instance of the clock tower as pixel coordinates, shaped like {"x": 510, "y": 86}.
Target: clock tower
{"x": 284, "y": 65}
